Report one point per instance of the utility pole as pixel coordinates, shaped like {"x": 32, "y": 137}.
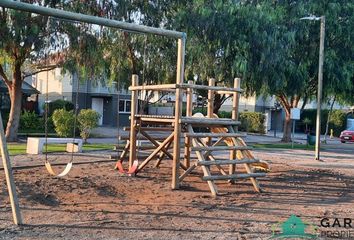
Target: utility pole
{"x": 320, "y": 79}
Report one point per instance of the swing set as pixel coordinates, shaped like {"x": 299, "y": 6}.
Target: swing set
{"x": 220, "y": 134}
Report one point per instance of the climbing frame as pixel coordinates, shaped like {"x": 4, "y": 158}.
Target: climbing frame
{"x": 220, "y": 134}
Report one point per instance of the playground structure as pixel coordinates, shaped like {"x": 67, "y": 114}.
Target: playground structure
{"x": 220, "y": 134}
{"x": 180, "y": 127}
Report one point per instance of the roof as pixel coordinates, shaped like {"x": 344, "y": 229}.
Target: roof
{"x": 26, "y": 88}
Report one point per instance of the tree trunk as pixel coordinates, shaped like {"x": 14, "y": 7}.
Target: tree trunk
{"x": 287, "y": 128}
{"x": 218, "y": 101}
{"x": 15, "y": 93}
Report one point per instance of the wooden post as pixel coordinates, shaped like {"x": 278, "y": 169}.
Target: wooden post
{"x": 11, "y": 187}
{"x": 133, "y": 112}
{"x": 178, "y": 114}
{"x": 235, "y": 103}
{"x": 189, "y": 113}
{"x": 210, "y": 111}
{"x": 236, "y": 99}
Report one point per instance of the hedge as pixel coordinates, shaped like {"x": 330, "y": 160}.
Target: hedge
{"x": 59, "y": 104}
{"x": 252, "y": 122}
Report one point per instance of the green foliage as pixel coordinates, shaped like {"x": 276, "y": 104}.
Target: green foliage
{"x": 30, "y": 120}
{"x": 59, "y": 104}
{"x": 337, "y": 121}
{"x": 224, "y": 114}
{"x": 202, "y": 110}
{"x": 88, "y": 120}
{"x": 310, "y": 116}
{"x": 252, "y": 122}
{"x": 64, "y": 122}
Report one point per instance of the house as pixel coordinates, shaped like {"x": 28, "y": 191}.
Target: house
{"x": 29, "y": 97}
{"x": 97, "y": 95}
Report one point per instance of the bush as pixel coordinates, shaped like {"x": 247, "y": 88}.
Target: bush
{"x": 63, "y": 122}
{"x": 224, "y": 114}
{"x": 30, "y": 121}
{"x": 338, "y": 121}
{"x": 202, "y": 110}
{"x": 252, "y": 122}
{"x": 59, "y": 104}
{"x": 88, "y": 119}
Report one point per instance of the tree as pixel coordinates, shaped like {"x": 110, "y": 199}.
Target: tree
{"x": 27, "y": 38}
{"x": 21, "y": 34}
{"x": 266, "y": 44}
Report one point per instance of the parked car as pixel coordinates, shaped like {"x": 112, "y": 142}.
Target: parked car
{"x": 347, "y": 135}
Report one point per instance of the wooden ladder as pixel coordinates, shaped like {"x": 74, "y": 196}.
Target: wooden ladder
{"x": 205, "y": 159}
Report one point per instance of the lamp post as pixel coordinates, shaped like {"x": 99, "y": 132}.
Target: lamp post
{"x": 320, "y": 77}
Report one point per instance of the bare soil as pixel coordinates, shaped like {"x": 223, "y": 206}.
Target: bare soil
{"x": 95, "y": 202}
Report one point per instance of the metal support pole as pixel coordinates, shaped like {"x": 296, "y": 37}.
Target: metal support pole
{"x": 11, "y": 187}
{"x": 319, "y": 90}
{"x": 61, "y": 14}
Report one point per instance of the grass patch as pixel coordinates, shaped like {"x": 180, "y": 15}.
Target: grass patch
{"x": 20, "y": 148}
{"x": 284, "y": 146}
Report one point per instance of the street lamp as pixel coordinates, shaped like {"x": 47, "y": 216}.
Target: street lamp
{"x": 320, "y": 77}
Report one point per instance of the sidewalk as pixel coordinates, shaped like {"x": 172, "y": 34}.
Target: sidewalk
{"x": 108, "y": 135}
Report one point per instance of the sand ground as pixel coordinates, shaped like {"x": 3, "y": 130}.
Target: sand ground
{"x": 95, "y": 202}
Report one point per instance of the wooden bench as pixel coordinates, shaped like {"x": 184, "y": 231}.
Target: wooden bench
{"x": 35, "y": 145}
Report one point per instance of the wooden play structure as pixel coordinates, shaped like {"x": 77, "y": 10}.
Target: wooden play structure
{"x": 220, "y": 134}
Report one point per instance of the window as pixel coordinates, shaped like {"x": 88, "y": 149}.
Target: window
{"x": 124, "y": 106}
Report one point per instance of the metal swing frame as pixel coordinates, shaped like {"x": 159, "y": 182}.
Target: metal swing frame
{"x": 61, "y": 14}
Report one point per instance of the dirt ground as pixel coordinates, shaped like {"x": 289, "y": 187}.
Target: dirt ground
{"x": 95, "y": 202}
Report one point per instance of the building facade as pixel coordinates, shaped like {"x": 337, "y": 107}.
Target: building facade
{"x": 113, "y": 105}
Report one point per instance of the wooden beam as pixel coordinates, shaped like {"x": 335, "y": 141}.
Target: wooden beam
{"x": 162, "y": 156}
{"x": 157, "y": 144}
{"x": 215, "y": 88}
{"x": 11, "y": 187}
{"x": 206, "y": 121}
{"x": 134, "y": 109}
{"x": 189, "y": 113}
{"x": 123, "y": 154}
{"x": 234, "y": 116}
{"x": 162, "y": 87}
{"x": 225, "y": 162}
{"x": 206, "y": 171}
{"x": 210, "y": 104}
{"x": 188, "y": 171}
{"x": 246, "y": 165}
{"x": 148, "y": 129}
{"x": 158, "y": 120}
{"x": 220, "y": 148}
{"x": 217, "y": 135}
{"x": 178, "y": 114}
{"x": 153, "y": 154}
{"x": 143, "y": 147}
{"x": 158, "y": 137}
{"x": 236, "y": 99}
{"x": 234, "y": 176}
